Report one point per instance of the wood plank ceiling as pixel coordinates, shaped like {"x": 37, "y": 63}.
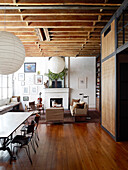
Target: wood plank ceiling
{"x": 57, "y": 27}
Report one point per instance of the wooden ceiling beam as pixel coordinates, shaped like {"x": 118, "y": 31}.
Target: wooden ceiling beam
{"x": 63, "y": 25}
{"x": 60, "y": 46}
{"x": 67, "y": 18}
{"x": 35, "y": 51}
{"x": 28, "y": 40}
{"x": 61, "y": 49}
{"x": 72, "y": 37}
{"x": 54, "y": 50}
{"x": 13, "y": 29}
{"x": 54, "y": 13}
{"x": 73, "y": 34}
{"x": 56, "y": 2}
{"x": 54, "y": 18}
{"x": 88, "y": 54}
{"x": 46, "y": 32}
{"x": 29, "y": 43}
{"x": 49, "y": 25}
{"x": 66, "y": 30}
{"x": 59, "y": 54}
{"x": 27, "y": 37}
{"x": 24, "y": 33}
{"x": 59, "y": 43}
{"x": 57, "y": 7}
{"x": 39, "y": 34}
{"x": 89, "y": 50}
{"x": 33, "y": 20}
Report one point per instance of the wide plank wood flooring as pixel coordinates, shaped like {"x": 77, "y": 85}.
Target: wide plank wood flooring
{"x": 82, "y": 146}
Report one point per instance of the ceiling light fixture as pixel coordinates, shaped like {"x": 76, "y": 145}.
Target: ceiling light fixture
{"x": 56, "y": 64}
{"x": 12, "y": 53}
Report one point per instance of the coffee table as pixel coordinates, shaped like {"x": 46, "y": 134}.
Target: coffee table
{"x": 55, "y": 114}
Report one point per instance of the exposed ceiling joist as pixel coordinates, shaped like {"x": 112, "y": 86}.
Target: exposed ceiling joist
{"x": 55, "y": 2}
{"x": 46, "y": 34}
{"x": 49, "y": 28}
{"x": 39, "y": 34}
{"x": 58, "y": 7}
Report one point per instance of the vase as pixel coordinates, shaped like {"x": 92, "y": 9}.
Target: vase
{"x": 55, "y": 83}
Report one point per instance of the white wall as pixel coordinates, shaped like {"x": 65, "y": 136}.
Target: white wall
{"x": 79, "y": 67}
{"x": 84, "y": 68}
{"x": 41, "y": 65}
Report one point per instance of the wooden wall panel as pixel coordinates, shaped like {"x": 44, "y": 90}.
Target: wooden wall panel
{"x": 97, "y": 104}
{"x": 108, "y": 42}
{"x": 108, "y": 95}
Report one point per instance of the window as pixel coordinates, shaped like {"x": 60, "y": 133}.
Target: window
{"x": 5, "y": 86}
{"x": 120, "y": 31}
{"x": 126, "y": 24}
{"x": 122, "y": 28}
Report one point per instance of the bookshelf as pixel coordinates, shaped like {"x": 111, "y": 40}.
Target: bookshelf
{"x": 98, "y": 84}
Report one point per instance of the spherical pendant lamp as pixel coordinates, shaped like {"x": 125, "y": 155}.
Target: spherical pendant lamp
{"x": 56, "y": 64}
{"x": 12, "y": 53}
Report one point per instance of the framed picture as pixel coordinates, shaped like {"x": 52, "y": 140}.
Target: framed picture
{"x": 25, "y": 98}
{"x": 21, "y": 76}
{"x": 82, "y": 83}
{"x": 33, "y": 90}
{"x": 39, "y": 79}
{"x": 29, "y": 67}
{"x": 22, "y": 83}
{"x": 29, "y": 79}
{"x": 26, "y": 90}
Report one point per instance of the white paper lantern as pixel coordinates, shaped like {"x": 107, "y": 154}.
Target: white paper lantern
{"x": 12, "y": 53}
{"x": 56, "y": 64}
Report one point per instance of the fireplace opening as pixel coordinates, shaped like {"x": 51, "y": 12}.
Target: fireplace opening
{"x": 56, "y": 102}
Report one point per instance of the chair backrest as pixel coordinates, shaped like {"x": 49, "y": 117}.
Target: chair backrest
{"x": 37, "y": 119}
{"x": 18, "y": 98}
{"x": 30, "y": 128}
{"x": 32, "y": 105}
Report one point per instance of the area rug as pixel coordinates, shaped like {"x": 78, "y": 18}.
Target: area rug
{"x": 93, "y": 117}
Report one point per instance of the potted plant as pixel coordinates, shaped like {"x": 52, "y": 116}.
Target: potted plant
{"x": 53, "y": 76}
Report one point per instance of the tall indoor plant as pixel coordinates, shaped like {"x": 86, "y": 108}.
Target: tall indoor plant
{"x": 53, "y": 76}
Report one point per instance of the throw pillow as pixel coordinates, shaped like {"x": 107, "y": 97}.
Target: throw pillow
{"x": 74, "y": 100}
{"x": 14, "y": 99}
{"x": 81, "y": 102}
{"x": 75, "y": 103}
{"x": 18, "y": 98}
{"x": 81, "y": 106}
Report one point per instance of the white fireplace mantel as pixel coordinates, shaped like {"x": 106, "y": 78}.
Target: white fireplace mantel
{"x": 57, "y": 93}
{"x": 57, "y": 90}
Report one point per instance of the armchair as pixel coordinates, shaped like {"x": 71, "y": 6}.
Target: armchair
{"x": 79, "y": 111}
{"x": 33, "y": 107}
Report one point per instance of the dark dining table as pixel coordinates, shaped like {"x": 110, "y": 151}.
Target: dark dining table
{"x": 9, "y": 123}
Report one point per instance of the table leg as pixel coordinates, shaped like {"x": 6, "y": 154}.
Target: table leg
{"x": 4, "y": 147}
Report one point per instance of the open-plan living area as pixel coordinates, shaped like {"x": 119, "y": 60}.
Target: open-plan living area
{"x": 63, "y": 84}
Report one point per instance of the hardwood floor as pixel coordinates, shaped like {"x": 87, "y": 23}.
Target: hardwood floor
{"x": 82, "y": 146}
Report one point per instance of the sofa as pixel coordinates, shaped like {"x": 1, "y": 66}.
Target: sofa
{"x": 79, "y": 110}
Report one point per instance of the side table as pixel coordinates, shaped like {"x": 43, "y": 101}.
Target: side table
{"x": 55, "y": 114}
